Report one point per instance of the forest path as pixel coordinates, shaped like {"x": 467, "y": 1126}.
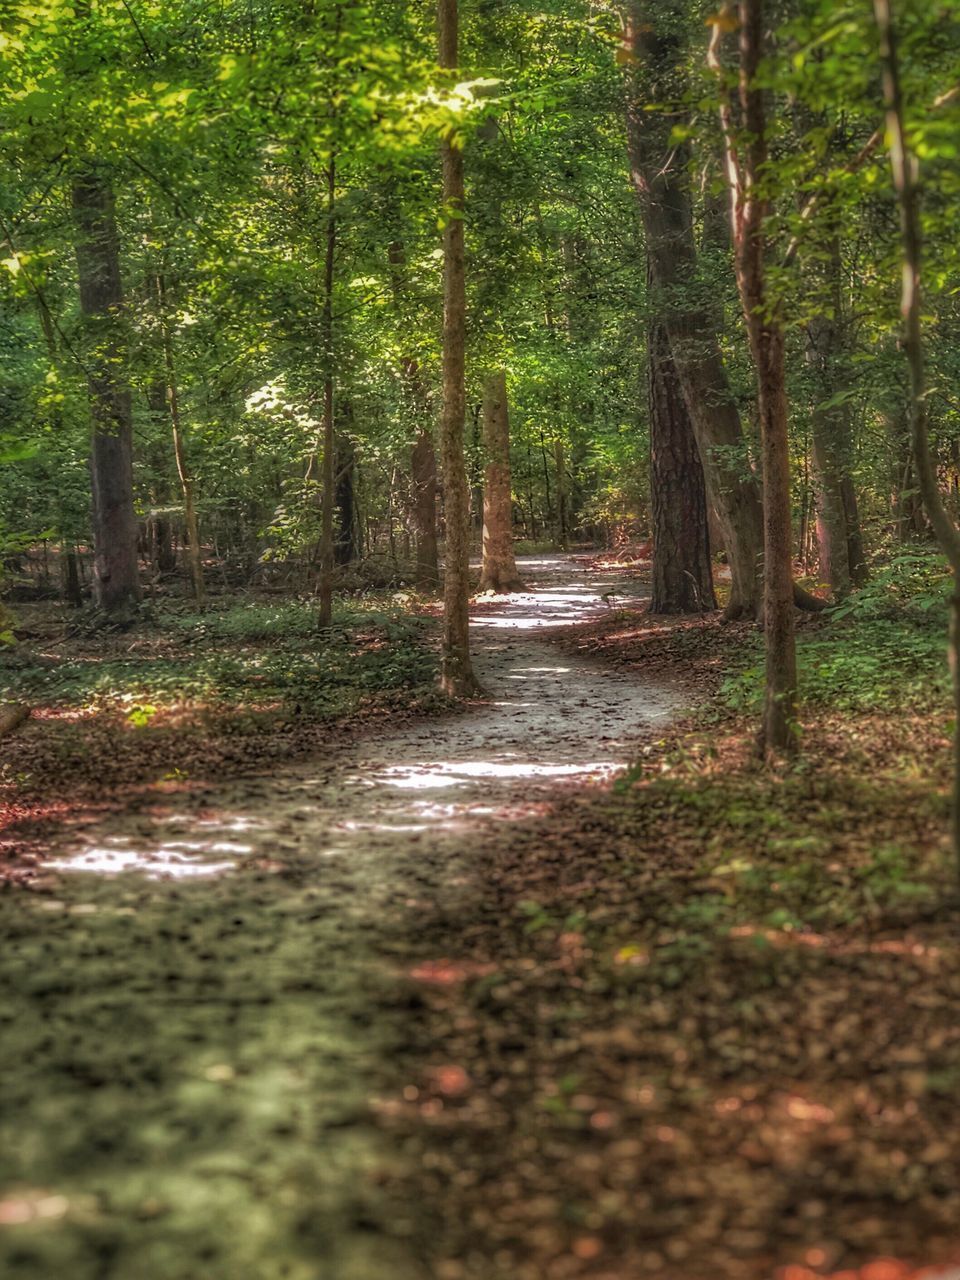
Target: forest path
{"x": 200, "y": 1012}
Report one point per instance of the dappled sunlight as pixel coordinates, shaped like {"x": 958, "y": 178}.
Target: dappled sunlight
{"x": 464, "y": 772}
{"x": 539, "y": 731}
{"x": 173, "y": 860}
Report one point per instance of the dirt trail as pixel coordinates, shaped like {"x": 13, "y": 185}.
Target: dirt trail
{"x": 196, "y": 1017}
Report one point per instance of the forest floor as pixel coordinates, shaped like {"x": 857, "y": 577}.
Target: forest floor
{"x": 460, "y": 1000}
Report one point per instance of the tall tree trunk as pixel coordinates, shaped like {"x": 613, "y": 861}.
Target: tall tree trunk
{"x": 423, "y": 468}
{"x": 72, "y": 591}
{"x": 658, "y": 168}
{"x": 346, "y": 548}
{"x": 499, "y": 572}
{"x": 905, "y": 169}
{"x": 751, "y": 210}
{"x": 116, "y": 580}
{"x": 838, "y": 524}
{"x": 906, "y": 504}
{"x": 560, "y": 468}
{"x": 328, "y": 483}
{"x": 682, "y": 578}
{"x": 456, "y": 675}
{"x": 826, "y": 428}
{"x": 193, "y": 550}
{"x": 856, "y": 556}
{"x": 423, "y": 457}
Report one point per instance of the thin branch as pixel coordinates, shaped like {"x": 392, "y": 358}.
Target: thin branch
{"x": 143, "y": 39}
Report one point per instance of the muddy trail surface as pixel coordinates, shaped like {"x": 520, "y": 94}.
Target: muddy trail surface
{"x": 208, "y": 1000}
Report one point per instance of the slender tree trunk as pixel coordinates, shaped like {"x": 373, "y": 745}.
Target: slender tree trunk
{"x": 905, "y": 169}
{"x": 750, "y": 212}
{"x": 826, "y": 429}
{"x": 499, "y": 572}
{"x": 164, "y": 553}
{"x": 423, "y": 467}
{"x": 423, "y": 457}
{"x": 658, "y": 168}
{"x": 560, "y": 468}
{"x": 346, "y": 546}
{"x": 856, "y": 557}
{"x": 193, "y": 549}
{"x": 116, "y": 581}
{"x": 682, "y": 578}
{"x": 456, "y": 678}
{"x": 72, "y": 591}
{"x": 328, "y": 483}
{"x": 838, "y": 524}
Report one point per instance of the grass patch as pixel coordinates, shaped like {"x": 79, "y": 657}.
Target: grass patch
{"x": 246, "y": 656}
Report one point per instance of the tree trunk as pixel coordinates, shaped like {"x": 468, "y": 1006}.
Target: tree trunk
{"x": 423, "y": 468}
{"x": 826, "y": 434}
{"x": 560, "y": 468}
{"x": 658, "y": 170}
{"x": 72, "y": 591}
{"x": 164, "y": 553}
{"x": 499, "y": 573}
{"x": 838, "y": 524}
{"x": 751, "y": 210}
{"x": 423, "y": 457}
{"x": 193, "y": 549}
{"x": 905, "y": 168}
{"x": 116, "y": 579}
{"x": 456, "y": 676}
{"x": 345, "y": 551}
{"x": 682, "y": 578}
{"x": 328, "y": 483}
{"x": 856, "y": 557}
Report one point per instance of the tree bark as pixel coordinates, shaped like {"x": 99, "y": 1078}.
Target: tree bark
{"x": 751, "y": 210}
{"x": 826, "y": 437}
{"x": 328, "y": 481}
{"x": 116, "y": 577}
{"x": 192, "y": 550}
{"x": 423, "y": 469}
{"x": 658, "y": 171}
{"x": 839, "y": 539}
{"x": 423, "y": 457}
{"x": 499, "y": 573}
{"x": 682, "y": 577}
{"x": 905, "y": 170}
{"x": 72, "y": 591}
{"x": 560, "y": 468}
{"x": 345, "y": 551}
{"x": 456, "y": 674}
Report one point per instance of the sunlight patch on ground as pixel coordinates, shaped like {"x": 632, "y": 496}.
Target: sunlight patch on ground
{"x": 175, "y": 860}
{"x": 526, "y": 611}
{"x": 415, "y": 777}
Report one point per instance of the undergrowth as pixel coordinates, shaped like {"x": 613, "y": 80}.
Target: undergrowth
{"x": 882, "y": 649}
{"x": 245, "y": 656}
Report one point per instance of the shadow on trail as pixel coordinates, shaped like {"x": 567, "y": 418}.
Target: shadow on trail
{"x": 199, "y": 1013}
